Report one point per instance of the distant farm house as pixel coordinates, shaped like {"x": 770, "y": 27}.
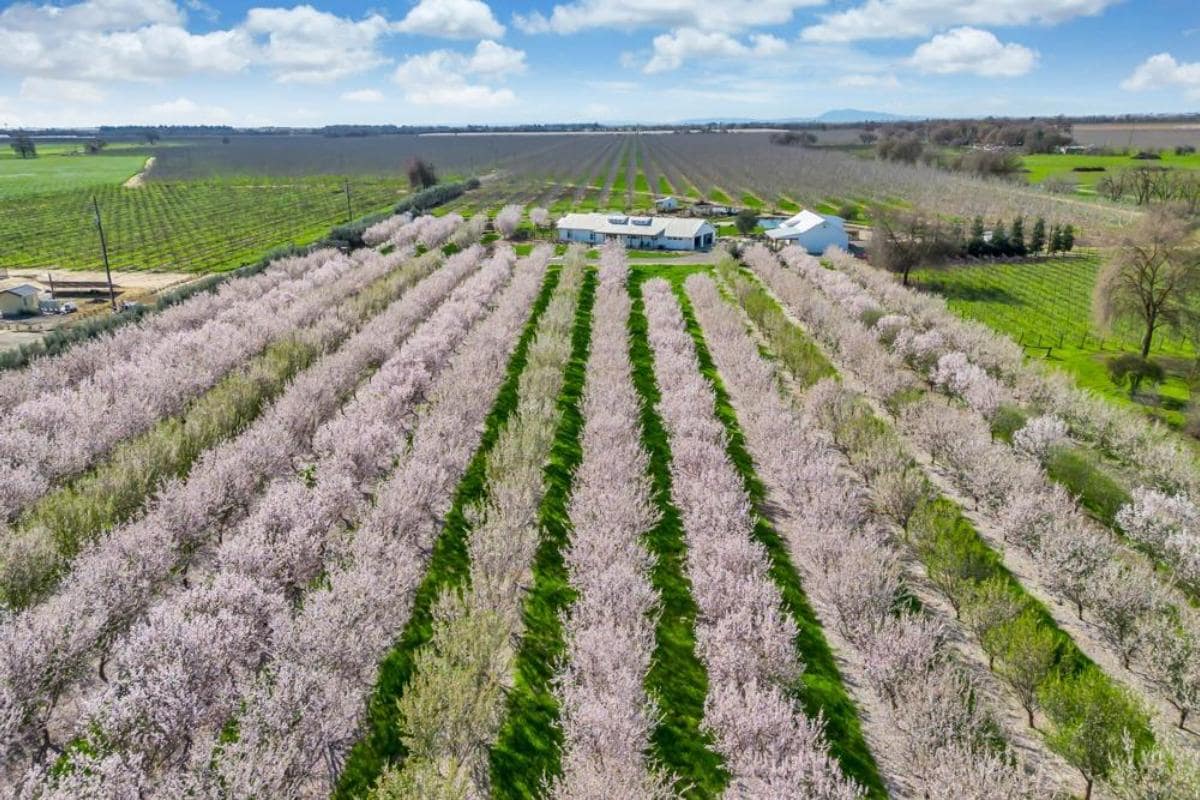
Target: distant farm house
{"x": 17, "y": 301}
{"x": 643, "y": 233}
{"x": 666, "y": 204}
{"x": 814, "y": 232}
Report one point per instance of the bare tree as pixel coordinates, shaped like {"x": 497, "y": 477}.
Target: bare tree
{"x": 903, "y": 240}
{"x": 1150, "y": 278}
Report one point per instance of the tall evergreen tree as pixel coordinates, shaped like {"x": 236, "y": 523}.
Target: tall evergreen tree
{"x": 1067, "y": 238}
{"x": 976, "y": 244}
{"x": 1037, "y": 239}
{"x": 1016, "y": 236}
{"x": 1000, "y": 244}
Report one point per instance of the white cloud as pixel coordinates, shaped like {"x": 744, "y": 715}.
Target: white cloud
{"x": 901, "y": 19}
{"x": 1162, "y": 71}
{"x": 672, "y": 49}
{"x": 452, "y": 19}
{"x": 495, "y": 59}
{"x": 868, "y": 81}
{"x": 448, "y": 78}
{"x": 57, "y": 90}
{"x": 183, "y": 111}
{"x": 732, "y": 15}
{"x": 973, "y": 51}
{"x": 304, "y": 45}
{"x": 363, "y": 96}
{"x": 145, "y": 40}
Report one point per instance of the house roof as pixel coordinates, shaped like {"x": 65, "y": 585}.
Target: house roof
{"x": 634, "y": 226}
{"x": 804, "y": 221}
{"x": 24, "y": 290}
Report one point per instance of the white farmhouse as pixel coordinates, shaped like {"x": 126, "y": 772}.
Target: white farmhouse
{"x": 667, "y": 203}
{"x": 813, "y": 232}
{"x": 643, "y": 233}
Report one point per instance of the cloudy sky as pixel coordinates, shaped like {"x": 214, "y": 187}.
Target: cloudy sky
{"x": 457, "y": 61}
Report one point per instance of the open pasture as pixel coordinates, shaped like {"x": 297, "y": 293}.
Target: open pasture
{"x": 62, "y": 167}
{"x": 1138, "y": 135}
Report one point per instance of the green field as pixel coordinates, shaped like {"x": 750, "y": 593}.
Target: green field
{"x": 59, "y": 167}
{"x": 1045, "y": 306}
{"x": 1044, "y": 165}
{"x": 172, "y": 223}
{"x": 191, "y": 226}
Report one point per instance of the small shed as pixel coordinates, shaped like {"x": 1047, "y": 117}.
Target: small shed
{"x": 667, "y": 203}
{"x": 17, "y": 301}
{"x": 814, "y": 232}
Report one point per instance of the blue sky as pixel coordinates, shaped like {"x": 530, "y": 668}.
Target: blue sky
{"x": 459, "y": 61}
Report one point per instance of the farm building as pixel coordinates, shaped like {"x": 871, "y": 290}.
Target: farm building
{"x": 814, "y": 232}
{"x": 18, "y": 300}
{"x": 707, "y": 209}
{"x": 666, "y": 204}
{"x": 643, "y": 233}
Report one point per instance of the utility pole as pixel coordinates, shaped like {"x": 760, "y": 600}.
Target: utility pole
{"x": 112, "y": 295}
{"x": 349, "y": 210}
{"x": 50, "y": 277}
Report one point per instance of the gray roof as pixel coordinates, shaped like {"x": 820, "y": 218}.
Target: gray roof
{"x": 24, "y": 290}
{"x": 623, "y": 224}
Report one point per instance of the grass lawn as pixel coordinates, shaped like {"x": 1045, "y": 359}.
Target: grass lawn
{"x": 1045, "y": 306}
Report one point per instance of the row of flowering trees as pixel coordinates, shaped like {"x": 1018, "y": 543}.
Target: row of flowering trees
{"x": 305, "y": 711}
{"x": 451, "y": 711}
{"x": 49, "y": 645}
{"x": 1159, "y": 520}
{"x": 607, "y": 717}
{"x": 745, "y": 638}
{"x": 1073, "y": 561}
{"x": 257, "y": 555}
{"x": 60, "y": 433}
{"x": 940, "y": 737}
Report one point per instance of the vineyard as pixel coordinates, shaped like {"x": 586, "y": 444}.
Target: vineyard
{"x": 1045, "y": 306}
{"x": 453, "y": 521}
{"x": 207, "y": 206}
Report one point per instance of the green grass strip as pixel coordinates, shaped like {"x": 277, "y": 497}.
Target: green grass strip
{"x": 677, "y": 680}
{"x": 823, "y": 692}
{"x": 449, "y": 565}
{"x": 529, "y": 747}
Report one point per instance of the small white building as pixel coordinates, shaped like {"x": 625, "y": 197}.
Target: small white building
{"x": 814, "y": 232}
{"x": 667, "y": 203}
{"x": 643, "y": 233}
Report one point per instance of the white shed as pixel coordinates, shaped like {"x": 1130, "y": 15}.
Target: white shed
{"x": 666, "y": 204}
{"x": 814, "y": 232}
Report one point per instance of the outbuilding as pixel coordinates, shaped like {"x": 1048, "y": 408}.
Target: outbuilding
{"x": 17, "y": 301}
{"x": 814, "y": 232}
{"x": 667, "y": 203}
{"x": 643, "y": 233}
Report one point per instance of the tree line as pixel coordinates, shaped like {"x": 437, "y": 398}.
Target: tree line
{"x": 904, "y": 240}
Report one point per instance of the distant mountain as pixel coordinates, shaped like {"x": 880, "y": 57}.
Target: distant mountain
{"x": 837, "y": 116}
{"x": 844, "y": 115}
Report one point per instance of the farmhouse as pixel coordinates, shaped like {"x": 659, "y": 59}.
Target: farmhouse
{"x": 18, "y": 300}
{"x": 643, "y": 233}
{"x": 814, "y": 232}
{"x": 667, "y": 203}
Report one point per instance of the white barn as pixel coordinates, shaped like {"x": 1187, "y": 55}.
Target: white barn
{"x": 643, "y": 233}
{"x": 814, "y": 232}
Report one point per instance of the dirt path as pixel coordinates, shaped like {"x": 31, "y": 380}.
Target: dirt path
{"x": 140, "y": 178}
